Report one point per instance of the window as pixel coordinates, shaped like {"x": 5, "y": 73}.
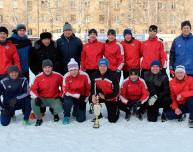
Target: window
{"x": 1, "y": 3}
{"x": 73, "y": 18}
{"x": 159, "y": 5}
{"x": 14, "y": 3}
{"x": 87, "y": 19}
{"x": 101, "y": 18}
{"x": 101, "y": 5}
{"x": 29, "y": 31}
{"x": 87, "y": 4}
{"x": 72, "y": 4}
{"x": 44, "y": 4}
{"x": 58, "y": 18}
{"x": 173, "y": 5}
{"x": 29, "y": 5}
{"x": 117, "y": 5}
{"x": 116, "y": 19}
{"x": 44, "y": 30}
{"x": 1, "y": 18}
{"x": 29, "y": 18}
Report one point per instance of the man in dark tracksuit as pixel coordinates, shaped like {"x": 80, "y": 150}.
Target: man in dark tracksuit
{"x": 106, "y": 86}
{"x": 15, "y": 92}
{"x": 69, "y": 46}
{"x": 158, "y": 86}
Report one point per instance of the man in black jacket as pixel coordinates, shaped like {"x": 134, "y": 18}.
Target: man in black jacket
{"x": 158, "y": 86}
{"x": 45, "y": 48}
{"x": 69, "y": 46}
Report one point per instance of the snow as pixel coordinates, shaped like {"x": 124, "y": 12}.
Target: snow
{"x": 123, "y": 136}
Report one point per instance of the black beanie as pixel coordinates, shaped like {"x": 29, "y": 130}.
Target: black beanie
{"x": 134, "y": 71}
{"x": 45, "y": 35}
{"x": 4, "y": 29}
{"x": 185, "y": 23}
{"x": 12, "y": 68}
{"x": 153, "y": 28}
{"x": 47, "y": 62}
{"x": 112, "y": 32}
{"x": 92, "y": 31}
{"x": 20, "y": 26}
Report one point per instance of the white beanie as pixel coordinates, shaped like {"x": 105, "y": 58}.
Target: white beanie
{"x": 72, "y": 65}
{"x": 180, "y": 68}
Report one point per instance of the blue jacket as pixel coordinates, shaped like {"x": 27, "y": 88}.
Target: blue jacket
{"x": 23, "y": 45}
{"x": 10, "y": 89}
{"x": 181, "y": 53}
{"x": 69, "y": 48}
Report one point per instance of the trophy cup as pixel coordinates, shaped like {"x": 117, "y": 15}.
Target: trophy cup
{"x": 97, "y": 110}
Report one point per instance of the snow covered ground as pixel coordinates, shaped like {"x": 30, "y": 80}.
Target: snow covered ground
{"x": 123, "y": 136}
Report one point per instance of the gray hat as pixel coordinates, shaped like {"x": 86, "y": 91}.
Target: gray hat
{"x": 67, "y": 26}
{"x": 47, "y": 62}
{"x": 20, "y": 26}
{"x": 12, "y": 68}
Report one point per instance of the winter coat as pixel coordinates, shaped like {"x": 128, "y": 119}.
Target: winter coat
{"x": 158, "y": 84}
{"x": 92, "y": 52}
{"x": 69, "y": 48}
{"x": 23, "y": 45}
{"x": 131, "y": 54}
{"x": 114, "y": 54}
{"x": 181, "y": 53}
{"x": 9, "y": 56}
{"x": 76, "y": 86}
{"x": 47, "y": 86}
{"x": 153, "y": 49}
{"x": 133, "y": 91}
{"x": 183, "y": 88}
{"x": 14, "y": 89}
{"x": 40, "y": 52}
{"x": 106, "y": 84}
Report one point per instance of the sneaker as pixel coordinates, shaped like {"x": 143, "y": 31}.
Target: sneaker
{"x": 127, "y": 116}
{"x": 56, "y": 118}
{"x": 181, "y": 117}
{"x": 66, "y": 120}
{"x": 39, "y": 122}
{"x": 190, "y": 123}
{"x": 25, "y": 123}
{"x": 99, "y": 117}
{"x": 163, "y": 117}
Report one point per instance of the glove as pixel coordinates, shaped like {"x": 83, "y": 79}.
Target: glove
{"x": 38, "y": 102}
{"x": 152, "y": 100}
{"x": 172, "y": 73}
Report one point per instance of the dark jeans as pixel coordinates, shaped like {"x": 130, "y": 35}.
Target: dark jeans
{"x": 78, "y": 112}
{"x": 185, "y": 108}
{"x": 24, "y": 105}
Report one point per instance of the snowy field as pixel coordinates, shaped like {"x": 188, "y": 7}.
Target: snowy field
{"x": 123, "y": 136}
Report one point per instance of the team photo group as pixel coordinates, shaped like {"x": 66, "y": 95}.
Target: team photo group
{"x": 73, "y": 78}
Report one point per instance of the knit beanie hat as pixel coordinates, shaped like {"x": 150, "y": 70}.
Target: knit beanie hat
{"x": 47, "y": 62}
{"x": 12, "y": 68}
{"x": 20, "y": 26}
{"x": 127, "y": 31}
{"x": 153, "y": 28}
{"x": 45, "y": 35}
{"x": 180, "y": 68}
{"x": 155, "y": 62}
{"x": 185, "y": 23}
{"x": 103, "y": 61}
{"x": 92, "y": 31}
{"x": 72, "y": 65}
{"x": 67, "y": 26}
{"x": 4, "y": 29}
{"x": 112, "y": 32}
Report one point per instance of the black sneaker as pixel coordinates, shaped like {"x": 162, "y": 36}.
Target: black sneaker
{"x": 190, "y": 123}
{"x": 163, "y": 117}
{"x": 56, "y": 118}
{"x": 181, "y": 117}
{"x": 99, "y": 117}
{"x": 39, "y": 122}
{"x": 127, "y": 116}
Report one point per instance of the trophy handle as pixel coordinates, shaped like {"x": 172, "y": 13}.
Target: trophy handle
{"x": 97, "y": 110}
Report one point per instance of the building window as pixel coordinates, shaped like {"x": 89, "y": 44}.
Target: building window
{"x": 29, "y": 5}
{"x": 117, "y": 5}
{"x": 173, "y": 5}
{"x": 87, "y": 4}
{"x": 73, "y": 18}
{"x": 29, "y": 31}
{"x": 101, "y": 5}
{"x": 87, "y": 19}
{"x": 72, "y": 4}
{"x": 159, "y": 6}
{"x": 101, "y": 18}
{"x": 1, "y": 3}
{"x": 44, "y": 30}
{"x": 44, "y": 4}
{"x": 116, "y": 19}
{"x": 14, "y": 3}
{"x": 58, "y": 18}
{"x": 1, "y": 18}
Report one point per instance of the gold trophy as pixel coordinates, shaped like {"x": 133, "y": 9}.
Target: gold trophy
{"x": 97, "y": 110}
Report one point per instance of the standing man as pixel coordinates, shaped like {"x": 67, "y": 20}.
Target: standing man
{"x": 132, "y": 55}
{"x": 69, "y": 46}
{"x": 8, "y": 53}
{"x": 114, "y": 53}
{"x": 153, "y": 49}
{"x": 23, "y": 45}
{"x": 181, "y": 50}
{"x": 105, "y": 85}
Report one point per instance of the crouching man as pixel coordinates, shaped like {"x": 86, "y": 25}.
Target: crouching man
{"x": 76, "y": 87}
{"x": 105, "y": 85}
{"x": 15, "y": 92}
{"x": 134, "y": 93}
{"x": 181, "y": 87}
{"x": 46, "y": 91}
